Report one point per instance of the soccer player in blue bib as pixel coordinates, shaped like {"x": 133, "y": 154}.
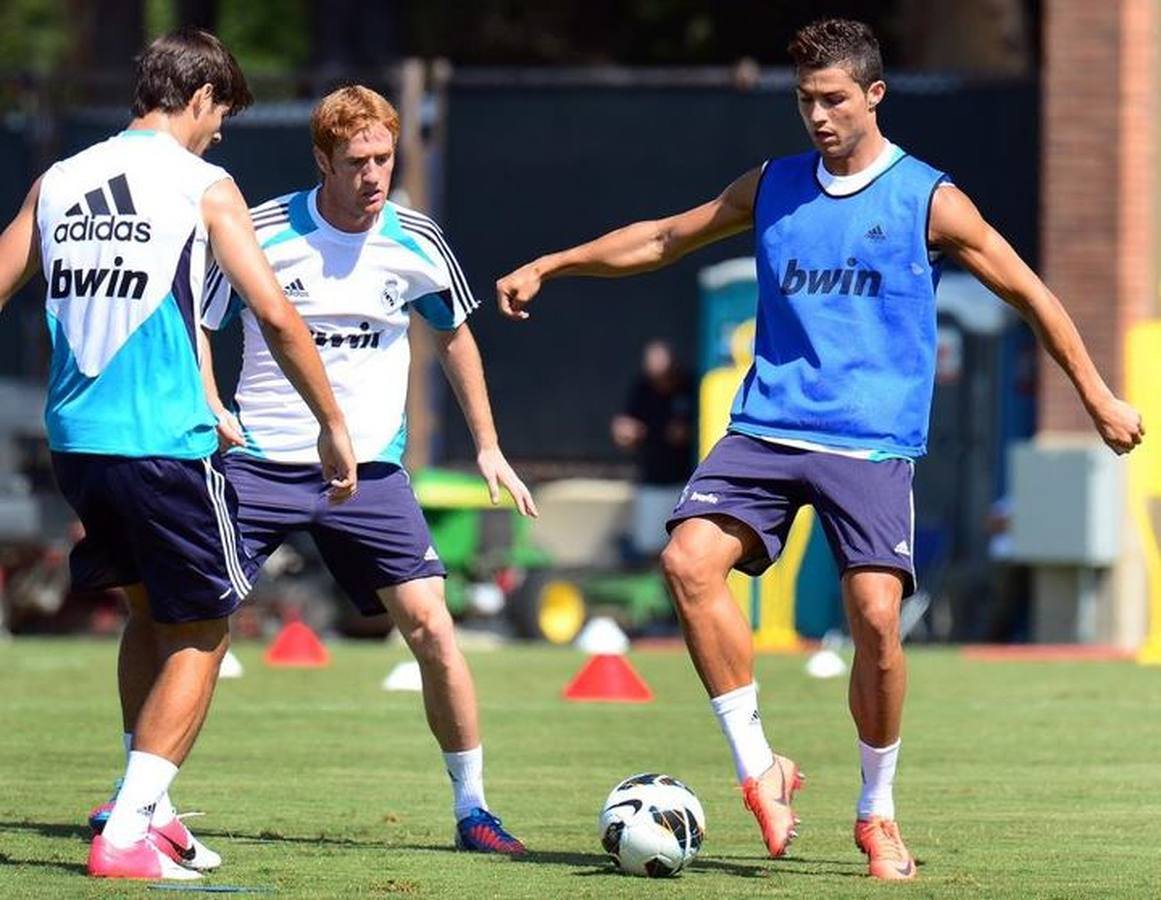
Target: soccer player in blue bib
{"x": 834, "y": 410}
{"x": 123, "y": 232}
{"x": 357, "y": 266}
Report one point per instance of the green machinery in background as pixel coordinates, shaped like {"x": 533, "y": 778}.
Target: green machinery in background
{"x": 496, "y": 569}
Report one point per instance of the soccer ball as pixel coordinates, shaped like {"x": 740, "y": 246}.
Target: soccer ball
{"x": 651, "y": 825}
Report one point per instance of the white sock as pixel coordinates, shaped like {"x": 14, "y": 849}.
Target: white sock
{"x": 147, "y": 777}
{"x": 465, "y": 768}
{"x": 737, "y": 713}
{"x": 878, "y": 767}
{"x": 163, "y": 813}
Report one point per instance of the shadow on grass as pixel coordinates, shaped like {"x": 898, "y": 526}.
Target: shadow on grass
{"x": 82, "y": 832}
{"x": 70, "y": 868}
{"x": 590, "y": 864}
{"x": 49, "y": 829}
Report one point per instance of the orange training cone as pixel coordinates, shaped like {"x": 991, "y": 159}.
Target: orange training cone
{"x": 610, "y": 679}
{"x": 296, "y": 646}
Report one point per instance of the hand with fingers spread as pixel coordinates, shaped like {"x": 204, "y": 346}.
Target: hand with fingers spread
{"x": 498, "y": 473}
{"x": 515, "y": 291}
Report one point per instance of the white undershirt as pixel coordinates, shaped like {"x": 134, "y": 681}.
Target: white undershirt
{"x": 845, "y": 185}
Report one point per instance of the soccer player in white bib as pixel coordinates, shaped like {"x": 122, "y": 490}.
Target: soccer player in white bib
{"x": 357, "y": 266}
{"x": 122, "y": 232}
{"x": 848, "y": 241}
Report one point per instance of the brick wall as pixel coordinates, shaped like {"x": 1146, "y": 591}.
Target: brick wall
{"x": 1098, "y": 190}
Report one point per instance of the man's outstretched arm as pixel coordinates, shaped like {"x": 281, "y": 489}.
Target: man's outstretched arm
{"x": 20, "y": 247}
{"x": 460, "y": 357}
{"x": 958, "y": 229}
{"x": 236, "y": 250}
{"x": 640, "y": 247}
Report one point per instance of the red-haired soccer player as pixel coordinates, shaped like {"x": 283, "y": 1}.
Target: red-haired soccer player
{"x": 357, "y": 266}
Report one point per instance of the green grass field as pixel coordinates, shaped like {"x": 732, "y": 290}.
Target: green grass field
{"x": 1016, "y": 779}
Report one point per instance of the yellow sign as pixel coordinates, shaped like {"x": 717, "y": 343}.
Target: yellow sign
{"x": 1143, "y": 375}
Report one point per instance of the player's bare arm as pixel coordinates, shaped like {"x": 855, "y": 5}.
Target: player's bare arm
{"x": 20, "y": 248}
{"x": 236, "y": 249}
{"x": 229, "y": 429}
{"x": 640, "y": 247}
{"x": 959, "y": 230}
{"x": 460, "y": 357}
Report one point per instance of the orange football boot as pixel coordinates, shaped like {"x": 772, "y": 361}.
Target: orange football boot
{"x": 887, "y": 856}
{"x": 769, "y": 797}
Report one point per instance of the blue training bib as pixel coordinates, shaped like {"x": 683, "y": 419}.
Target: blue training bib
{"x": 844, "y": 353}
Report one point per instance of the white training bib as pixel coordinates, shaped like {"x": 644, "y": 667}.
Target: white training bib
{"x": 123, "y": 249}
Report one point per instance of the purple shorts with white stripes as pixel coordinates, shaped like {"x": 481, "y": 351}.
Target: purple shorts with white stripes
{"x": 864, "y": 506}
{"x": 376, "y": 539}
{"x": 169, "y": 524}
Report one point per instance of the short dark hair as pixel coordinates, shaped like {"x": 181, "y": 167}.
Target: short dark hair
{"x": 844, "y": 43}
{"x": 173, "y": 67}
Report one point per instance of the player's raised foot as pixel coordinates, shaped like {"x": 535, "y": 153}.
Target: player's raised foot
{"x": 141, "y": 861}
{"x": 887, "y": 856}
{"x": 99, "y": 815}
{"x": 482, "y": 832}
{"x": 769, "y": 798}
{"x": 177, "y": 842}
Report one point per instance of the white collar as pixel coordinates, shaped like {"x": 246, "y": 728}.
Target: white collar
{"x": 350, "y": 237}
{"x": 845, "y": 185}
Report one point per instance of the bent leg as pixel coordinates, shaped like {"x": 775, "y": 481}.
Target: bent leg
{"x": 696, "y": 562}
{"x": 137, "y": 665}
{"x": 449, "y": 698}
{"x": 168, "y": 722}
{"x": 449, "y": 694}
{"x": 173, "y": 712}
{"x": 878, "y": 683}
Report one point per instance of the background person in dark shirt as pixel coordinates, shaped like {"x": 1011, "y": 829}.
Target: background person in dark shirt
{"x": 657, "y": 423}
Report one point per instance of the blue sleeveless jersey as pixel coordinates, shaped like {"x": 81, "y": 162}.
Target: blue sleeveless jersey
{"x": 844, "y": 354}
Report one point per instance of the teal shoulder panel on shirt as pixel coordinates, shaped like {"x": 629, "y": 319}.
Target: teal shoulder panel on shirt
{"x": 301, "y": 222}
{"x": 392, "y": 228}
{"x": 437, "y": 310}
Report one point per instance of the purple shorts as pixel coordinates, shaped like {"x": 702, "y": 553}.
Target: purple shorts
{"x": 168, "y": 524}
{"x": 865, "y": 507}
{"x": 376, "y": 539}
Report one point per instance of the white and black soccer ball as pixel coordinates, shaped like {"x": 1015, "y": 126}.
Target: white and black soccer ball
{"x": 651, "y": 825}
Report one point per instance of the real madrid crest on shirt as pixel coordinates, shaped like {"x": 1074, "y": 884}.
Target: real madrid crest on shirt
{"x": 392, "y": 291}
{"x": 356, "y": 293}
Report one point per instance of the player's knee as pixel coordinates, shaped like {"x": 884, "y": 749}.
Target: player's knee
{"x": 211, "y": 636}
{"x": 688, "y": 570}
{"x": 880, "y": 620}
{"x": 431, "y": 633}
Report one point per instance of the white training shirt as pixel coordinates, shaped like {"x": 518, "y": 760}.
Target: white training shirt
{"x": 356, "y": 292}
{"x": 123, "y": 247}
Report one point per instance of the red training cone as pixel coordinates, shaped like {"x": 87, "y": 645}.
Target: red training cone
{"x": 296, "y": 646}
{"x": 609, "y": 679}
